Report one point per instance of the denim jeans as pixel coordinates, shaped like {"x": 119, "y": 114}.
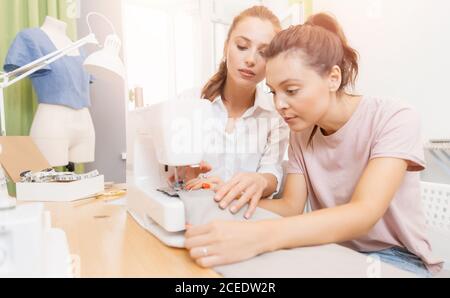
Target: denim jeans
{"x": 402, "y": 259}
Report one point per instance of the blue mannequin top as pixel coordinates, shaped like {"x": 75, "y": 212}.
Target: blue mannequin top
{"x": 63, "y": 82}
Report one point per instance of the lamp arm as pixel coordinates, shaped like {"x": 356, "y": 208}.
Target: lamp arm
{"x": 38, "y": 64}
{"x": 34, "y": 66}
{"x": 29, "y": 69}
{"x": 103, "y": 17}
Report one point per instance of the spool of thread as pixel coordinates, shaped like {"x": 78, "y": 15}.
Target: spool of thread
{"x": 139, "y": 97}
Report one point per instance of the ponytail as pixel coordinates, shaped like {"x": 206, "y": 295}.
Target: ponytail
{"x": 349, "y": 64}
{"x": 216, "y": 84}
{"x": 322, "y": 41}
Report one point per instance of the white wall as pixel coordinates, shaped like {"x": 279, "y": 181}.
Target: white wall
{"x": 220, "y": 14}
{"x": 177, "y": 45}
{"x": 162, "y": 46}
{"x": 107, "y": 96}
{"x": 405, "y": 52}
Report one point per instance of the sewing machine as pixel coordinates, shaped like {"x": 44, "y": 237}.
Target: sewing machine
{"x": 29, "y": 247}
{"x": 162, "y": 138}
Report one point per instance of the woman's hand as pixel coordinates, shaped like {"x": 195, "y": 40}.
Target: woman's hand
{"x": 189, "y": 173}
{"x": 220, "y": 243}
{"x": 212, "y": 183}
{"x": 246, "y": 188}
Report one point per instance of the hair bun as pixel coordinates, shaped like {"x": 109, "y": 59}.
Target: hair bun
{"x": 328, "y": 22}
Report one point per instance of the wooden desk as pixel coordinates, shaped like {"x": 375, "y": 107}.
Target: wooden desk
{"x": 110, "y": 243}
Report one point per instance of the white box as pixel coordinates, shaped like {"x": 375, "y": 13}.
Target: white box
{"x": 60, "y": 192}
{"x": 20, "y": 154}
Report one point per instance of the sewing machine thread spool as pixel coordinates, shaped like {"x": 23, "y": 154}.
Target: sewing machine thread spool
{"x": 178, "y": 183}
{"x": 138, "y": 97}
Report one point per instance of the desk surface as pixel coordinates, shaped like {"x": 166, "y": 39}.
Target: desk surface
{"x": 109, "y": 243}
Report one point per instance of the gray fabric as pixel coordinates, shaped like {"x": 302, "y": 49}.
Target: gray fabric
{"x": 320, "y": 261}
{"x": 443, "y": 274}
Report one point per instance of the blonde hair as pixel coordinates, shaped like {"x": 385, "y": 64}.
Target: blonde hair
{"x": 215, "y": 85}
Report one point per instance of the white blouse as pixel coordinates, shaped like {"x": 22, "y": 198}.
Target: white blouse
{"x": 257, "y": 144}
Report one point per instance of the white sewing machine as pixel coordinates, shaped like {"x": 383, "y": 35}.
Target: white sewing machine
{"x": 29, "y": 247}
{"x": 160, "y": 139}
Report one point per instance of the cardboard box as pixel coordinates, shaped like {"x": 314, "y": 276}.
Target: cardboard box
{"x": 60, "y": 192}
{"x": 20, "y": 154}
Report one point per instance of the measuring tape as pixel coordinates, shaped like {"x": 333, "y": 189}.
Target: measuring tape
{"x": 50, "y": 175}
{"x": 3, "y": 181}
{"x": 70, "y": 177}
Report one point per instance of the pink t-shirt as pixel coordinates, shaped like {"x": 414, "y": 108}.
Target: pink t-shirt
{"x": 334, "y": 164}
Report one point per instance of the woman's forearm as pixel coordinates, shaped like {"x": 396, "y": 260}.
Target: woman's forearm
{"x": 333, "y": 225}
{"x": 281, "y": 207}
{"x": 342, "y": 223}
{"x": 293, "y": 200}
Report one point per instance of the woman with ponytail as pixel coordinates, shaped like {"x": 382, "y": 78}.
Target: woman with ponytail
{"x": 245, "y": 164}
{"x": 355, "y": 158}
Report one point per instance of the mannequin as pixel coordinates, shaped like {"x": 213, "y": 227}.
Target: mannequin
{"x": 56, "y": 31}
{"x": 61, "y": 145}
{"x": 62, "y": 128}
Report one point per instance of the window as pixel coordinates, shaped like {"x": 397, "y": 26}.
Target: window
{"x": 161, "y": 43}
{"x": 175, "y": 45}
{"x": 223, "y": 12}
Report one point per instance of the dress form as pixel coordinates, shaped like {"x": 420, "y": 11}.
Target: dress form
{"x": 63, "y": 134}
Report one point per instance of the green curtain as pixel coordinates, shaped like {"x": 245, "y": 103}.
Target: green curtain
{"x": 308, "y": 7}
{"x": 20, "y": 99}
{"x": 15, "y": 15}
{"x": 307, "y": 3}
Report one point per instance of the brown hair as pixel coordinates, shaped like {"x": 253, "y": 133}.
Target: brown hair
{"x": 215, "y": 85}
{"x": 322, "y": 42}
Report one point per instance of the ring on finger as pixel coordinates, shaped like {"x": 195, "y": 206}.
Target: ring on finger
{"x": 205, "y": 251}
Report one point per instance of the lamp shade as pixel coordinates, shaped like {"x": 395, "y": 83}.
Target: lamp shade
{"x": 106, "y": 60}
